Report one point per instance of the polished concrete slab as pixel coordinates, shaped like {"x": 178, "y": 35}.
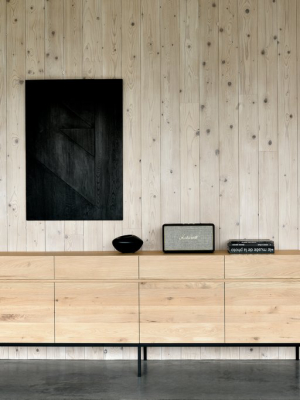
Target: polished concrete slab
{"x": 162, "y": 380}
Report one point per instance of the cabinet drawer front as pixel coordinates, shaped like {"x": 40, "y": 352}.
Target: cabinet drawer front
{"x": 96, "y": 313}
{"x": 182, "y": 267}
{"x": 262, "y": 312}
{"x": 262, "y": 266}
{"x": 26, "y": 312}
{"x": 96, "y": 267}
{"x": 181, "y": 312}
{"x": 26, "y": 267}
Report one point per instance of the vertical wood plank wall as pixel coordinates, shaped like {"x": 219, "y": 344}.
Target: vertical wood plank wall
{"x": 211, "y": 101}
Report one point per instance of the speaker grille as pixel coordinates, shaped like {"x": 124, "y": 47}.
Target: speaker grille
{"x": 188, "y": 238}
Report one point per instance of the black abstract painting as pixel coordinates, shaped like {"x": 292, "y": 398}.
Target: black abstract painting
{"x": 74, "y": 150}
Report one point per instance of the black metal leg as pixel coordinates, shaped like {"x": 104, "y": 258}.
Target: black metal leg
{"x": 145, "y": 353}
{"x": 139, "y": 361}
{"x": 297, "y": 353}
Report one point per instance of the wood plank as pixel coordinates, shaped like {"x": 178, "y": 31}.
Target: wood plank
{"x": 170, "y": 124}
{"x": 93, "y": 267}
{"x": 18, "y": 353}
{"x": 181, "y": 267}
{"x": 26, "y": 267}
{"x": 54, "y": 69}
{"x": 248, "y": 166}
{"x": 75, "y": 353}
{"x": 262, "y": 312}
{"x": 27, "y": 312}
{"x": 73, "y": 38}
{"x": 92, "y": 39}
{"x": 35, "y": 39}
{"x": 191, "y": 353}
{"x": 93, "y": 69}
{"x": 36, "y": 238}
{"x": 267, "y": 75}
{"x": 37, "y": 353}
{"x": 209, "y": 122}
{"x": 54, "y": 33}
{"x": 112, "y": 68}
{"x": 287, "y": 353}
{"x": 16, "y": 125}
{"x": 73, "y": 69}
{"x": 93, "y": 353}
{"x": 248, "y": 122}
{"x": 55, "y": 237}
{"x": 131, "y": 73}
{"x": 96, "y": 312}
{"x": 56, "y": 353}
{"x": 3, "y": 150}
{"x": 249, "y": 353}
{"x": 189, "y": 51}
{"x": 112, "y": 38}
{"x": 262, "y": 266}
{"x": 268, "y": 196}
{"x": 269, "y": 353}
{"x": 93, "y": 235}
{"x": 181, "y": 312}
{"x": 73, "y": 235}
{"x": 189, "y": 150}
{"x": 150, "y": 121}
{"x": 287, "y": 125}
{"x": 228, "y": 114}
{"x": 4, "y": 352}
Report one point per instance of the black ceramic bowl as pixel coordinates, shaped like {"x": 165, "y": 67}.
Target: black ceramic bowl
{"x": 127, "y": 243}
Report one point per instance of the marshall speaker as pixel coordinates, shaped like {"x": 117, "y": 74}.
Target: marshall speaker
{"x": 189, "y": 238}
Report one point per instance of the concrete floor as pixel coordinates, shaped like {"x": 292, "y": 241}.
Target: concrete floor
{"x": 163, "y": 380}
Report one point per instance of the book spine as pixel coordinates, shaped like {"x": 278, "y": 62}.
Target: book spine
{"x": 236, "y": 244}
{"x": 251, "y": 250}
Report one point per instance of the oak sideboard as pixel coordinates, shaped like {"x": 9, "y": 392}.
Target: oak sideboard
{"x": 150, "y": 299}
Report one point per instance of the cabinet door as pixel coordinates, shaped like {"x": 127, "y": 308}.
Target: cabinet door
{"x": 262, "y": 312}
{"x": 26, "y": 312}
{"x": 182, "y": 312}
{"x": 96, "y": 312}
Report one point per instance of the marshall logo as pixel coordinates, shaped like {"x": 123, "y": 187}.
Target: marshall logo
{"x": 188, "y": 237}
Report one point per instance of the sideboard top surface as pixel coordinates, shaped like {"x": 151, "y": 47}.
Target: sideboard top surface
{"x": 144, "y": 253}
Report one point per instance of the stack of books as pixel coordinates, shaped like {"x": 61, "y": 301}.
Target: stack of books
{"x": 250, "y": 246}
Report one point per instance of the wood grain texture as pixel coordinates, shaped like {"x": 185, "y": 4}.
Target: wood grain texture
{"x": 181, "y": 267}
{"x": 262, "y": 267}
{"x": 96, "y": 312}
{"x": 150, "y": 123}
{"x": 181, "y": 312}
{"x": 3, "y": 150}
{"x": 268, "y": 196}
{"x": 93, "y": 267}
{"x": 189, "y": 150}
{"x": 262, "y": 312}
{"x": 15, "y": 63}
{"x": 228, "y": 114}
{"x": 131, "y": 71}
{"x": 209, "y": 110}
{"x": 112, "y": 68}
{"x": 92, "y": 67}
{"x": 278, "y": 214}
{"x": 92, "y": 39}
{"x": 267, "y": 74}
{"x": 27, "y": 313}
{"x": 170, "y": 123}
{"x": 54, "y": 69}
{"x": 287, "y": 125}
{"x": 26, "y": 267}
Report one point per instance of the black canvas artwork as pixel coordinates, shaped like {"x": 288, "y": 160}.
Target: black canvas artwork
{"x": 74, "y": 150}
